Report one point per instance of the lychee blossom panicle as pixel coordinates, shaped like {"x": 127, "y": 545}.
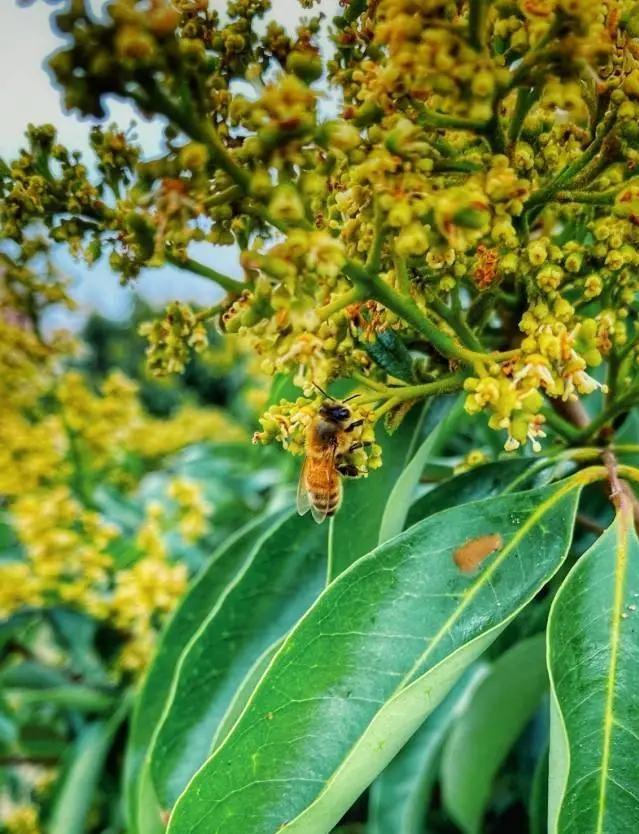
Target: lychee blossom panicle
{"x": 288, "y": 423}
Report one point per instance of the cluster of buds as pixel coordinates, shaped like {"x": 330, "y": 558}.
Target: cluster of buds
{"x": 172, "y": 338}
{"x": 480, "y": 162}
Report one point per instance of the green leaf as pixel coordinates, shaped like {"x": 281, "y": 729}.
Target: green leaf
{"x": 503, "y": 704}
{"x": 399, "y": 796}
{"x": 538, "y": 805}
{"x": 79, "y": 780}
{"x": 71, "y": 696}
{"x": 283, "y": 388}
{"x": 371, "y": 659}
{"x": 282, "y": 577}
{"x": 593, "y": 657}
{"x": 391, "y": 354}
{"x": 192, "y": 611}
{"x": 365, "y": 499}
{"x": 479, "y": 482}
{"x": 440, "y": 416}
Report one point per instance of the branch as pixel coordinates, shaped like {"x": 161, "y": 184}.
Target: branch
{"x": 477, "y": 23}
{"x": 406, "y": 308}
{"x": 188, "y": 264}
{"x": 431, "y": 118}
{"x": 400, "y": 394}
{"x": 352, "y": 296}
{"x": 570, "y": 172}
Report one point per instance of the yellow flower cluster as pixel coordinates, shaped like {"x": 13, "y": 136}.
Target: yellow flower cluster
{"x": 22, "y": 819}
{"x": 102, "y": 421}
{"x": 144, "y": 594}
{"x": 171, "y": 338}
{"x": 555, "y": 355}
{"x": 156, "y": 437}
{"x": 471, "y": 189}
{"x": 193, "y": 510}
{"x": 288, "y": 423}
{"x": 68, "y": 560}
{"x": 67, "y": 545}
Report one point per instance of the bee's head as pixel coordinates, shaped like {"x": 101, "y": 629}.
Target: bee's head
{"x": 336, "y": 412}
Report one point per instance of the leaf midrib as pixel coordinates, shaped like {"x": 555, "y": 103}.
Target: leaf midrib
{"x": 621, "y": 570}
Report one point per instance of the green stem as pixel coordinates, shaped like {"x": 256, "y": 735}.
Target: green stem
{"x": 374, "y": 260}
{"x": 581, "y": 455}
{"x": 201, "y": 130}
{"x": 445, "y": 166}
{"x": 526, "y": 97}
{"x": 406, "y": 309}
{"x": 570, "y": 172}
{"x": 606, "y": 416}
{"x": 593, "y": 198}
{"x": 477, "y": 23}
{"x": 431, "y": 118}
{"x": 209, "y": 312}
{"x": 401, "y": 271}
{"x": 562, "y": 427}
{"x": 228, "y": 195}
{"x": 458, "y": 324}
{"x": 369, "y": 383}
{"x": 389, "y": 405}
{"x": 352, "y": 296}
{"x": 224, "y": 281}
{"x": 454, "y": 382}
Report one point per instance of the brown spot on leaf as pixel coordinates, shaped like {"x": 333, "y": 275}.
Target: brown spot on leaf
{"x": 470, "y": 555}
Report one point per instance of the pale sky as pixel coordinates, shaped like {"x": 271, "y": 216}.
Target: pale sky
{"x": 27, "y": 95}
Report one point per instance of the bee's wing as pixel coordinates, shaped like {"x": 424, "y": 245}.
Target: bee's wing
{"x": 318, "y": 515}
{"x": 303, "y": 498}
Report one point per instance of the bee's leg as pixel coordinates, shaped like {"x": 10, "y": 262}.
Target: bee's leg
{"x": 354, "y": 425}
{"x": 354, "y": 446}
{"x": 347, "y": 470}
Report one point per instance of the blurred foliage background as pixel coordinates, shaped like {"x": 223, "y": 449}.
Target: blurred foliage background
{"x": 116, "y": 488}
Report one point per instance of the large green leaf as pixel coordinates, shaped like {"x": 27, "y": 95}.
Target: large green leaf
{"x": 443, "y": 412}
{"x": 502, "y": 706}
{"x": 151, "y": 701}
{"x": 272, "y": 589}
{"x": 593, "y": 656}
{"x": 479, "y": 482}
{"x": 371, "y": 659}
{"x": 399, "y": 796}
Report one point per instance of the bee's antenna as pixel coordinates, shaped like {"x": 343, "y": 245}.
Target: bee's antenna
{"x": 322, "y": 391}
{"x": 352, "y": 397}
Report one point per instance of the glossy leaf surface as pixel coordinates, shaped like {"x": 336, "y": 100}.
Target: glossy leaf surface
{"x": 593, "y": 656}
{"x": 194, "y": 608}
{"x": 502, "y": 705}
{"x": 399, "y": 796}
{"x": 479, "y": 482}
{"x": 275, "y": 585}
{"x": 371, "y": 659}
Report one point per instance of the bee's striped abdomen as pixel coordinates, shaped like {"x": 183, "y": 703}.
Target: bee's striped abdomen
{"x": 324, "y": 489}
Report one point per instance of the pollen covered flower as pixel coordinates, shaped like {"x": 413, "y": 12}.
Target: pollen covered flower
{"x": 288, "y": 423}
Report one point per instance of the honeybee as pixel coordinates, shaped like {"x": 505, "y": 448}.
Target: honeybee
{"x": 327, "y": 440}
